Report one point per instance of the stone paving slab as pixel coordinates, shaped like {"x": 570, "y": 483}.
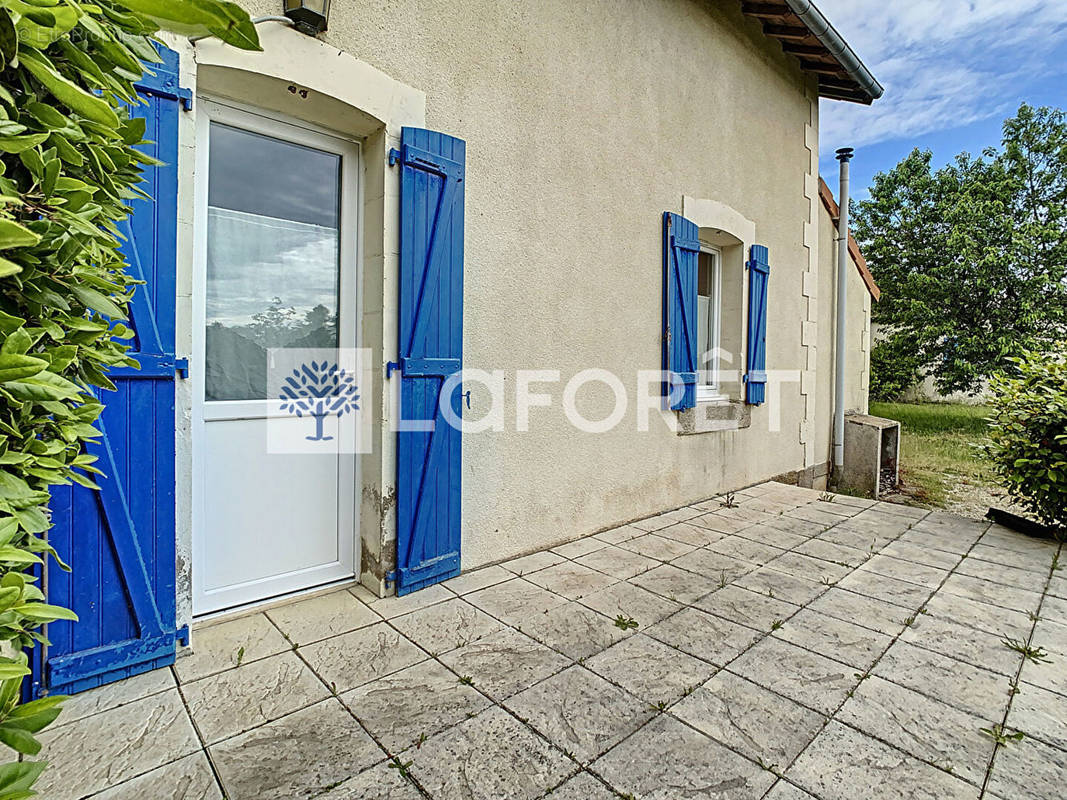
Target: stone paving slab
{"x": 650, "y": 670}
{"x": 808, "y": 678}
{"x": 401, "y": 709}
{"x": 383, "y": 782}
{"x": 746, "y": 607}
{"x": 238, "y": 700}
{"x": 489, "y": 756}
{"x": 925, "y": 728}
{"x": 225, "y": 645}
{"x": 844, "y": 764}
{"x": 618, "y": 562}
{"x": 962, "y": 643}
{"x": 583, "y": 787}
{"x": 666, "y": 760}
{"x": 781, "y": 644}
{"x": 574, "y": 630}
{"x": 675, "y": 584}
{"x": 783, "y": 586}
{"x": 114, "y": 695}
{"x": 853, "y": 644}
{"x": 183, "y": 779}
{"x": 1041, "y": 713}
{"x": 783, "y": 790}
{"x": 1028, "y": 770}
{"x": 570, "y": 580}
{"x": 580, "y": 712}
{"x": 104, "y": 749}
{"x": 305, "y": 753}
{"x": 943, "y": 678}
{"x": 446, "y": 626}
{"x": 859, "y": 609}
{"x": 321, "y": 617}
{"x": 352, "y": 659}
{"x": 630, "y": 601}
{"x": 713, "y": 639}
{"x": 750, "y": 719}
{"x": 504, "y": 663}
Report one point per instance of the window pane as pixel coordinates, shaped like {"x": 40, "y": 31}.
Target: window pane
{"x": 707, "y": 312}
{"x": 273, "y": 256}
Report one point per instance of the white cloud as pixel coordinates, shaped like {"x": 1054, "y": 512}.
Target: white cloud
{"x": 944, "y": 63}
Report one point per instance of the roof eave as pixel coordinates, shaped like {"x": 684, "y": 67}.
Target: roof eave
{"x": 807, "y": 34}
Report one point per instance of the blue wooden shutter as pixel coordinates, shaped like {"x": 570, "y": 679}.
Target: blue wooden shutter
{"x": 431, "y": 349}
{"x": 759, "y": 270}
{"x": 119, "y": 541}
{"x": 681, "y": 250}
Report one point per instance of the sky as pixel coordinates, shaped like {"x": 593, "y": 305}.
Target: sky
{"x": 953, "y": 70}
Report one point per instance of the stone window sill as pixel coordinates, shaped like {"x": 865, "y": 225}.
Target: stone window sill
{"x": 714, "y": 415}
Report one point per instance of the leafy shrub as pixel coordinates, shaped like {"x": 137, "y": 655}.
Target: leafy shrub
{"x": 67, "y": 169}
{"x": 1028, "y": 432}
{"x": 894, "y": 368}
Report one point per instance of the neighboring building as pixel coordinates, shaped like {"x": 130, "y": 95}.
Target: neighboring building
{"x": 549, "y": 186}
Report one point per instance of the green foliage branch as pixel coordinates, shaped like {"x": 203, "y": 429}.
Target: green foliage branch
{"x": 972, "y": 257}
{"x": 895, "y": 368}
{"x": 1028, "y": 433}
{"x": 68, "y": 169}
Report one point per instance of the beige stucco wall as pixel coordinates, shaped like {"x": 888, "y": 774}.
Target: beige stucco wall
{"x": 857, "y": 333}
{"x": 584, "y": 121}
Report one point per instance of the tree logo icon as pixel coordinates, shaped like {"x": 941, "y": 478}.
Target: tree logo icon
{"x": 319, "y": 389}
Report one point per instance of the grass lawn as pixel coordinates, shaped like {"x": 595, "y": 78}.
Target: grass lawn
{"x": 939, "y": 463}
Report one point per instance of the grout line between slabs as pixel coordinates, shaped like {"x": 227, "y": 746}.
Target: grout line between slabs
{"x": 755, "y": 642}
{"x": 336, "y": 696}
{"x": 911, "y": 522}
{"x": 866, "y": 674}
{"x": 1018, "y": 675}
{"x": 196, "y": 731}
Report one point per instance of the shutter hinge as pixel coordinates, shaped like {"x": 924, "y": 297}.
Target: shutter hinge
{"x": 391, "y": 367}
{"x": 181, "y": 367}
{"x": 182, "y": 636}
{"x": 409, "y": 155}
{"x": 180, "y": 95}
{"x": 390, "y": 576}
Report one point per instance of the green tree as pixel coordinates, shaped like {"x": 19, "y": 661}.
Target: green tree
{"x": 68, "y": 167}
{"x": 972, "y": 257}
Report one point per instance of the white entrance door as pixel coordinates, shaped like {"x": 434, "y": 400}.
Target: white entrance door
{"x": 276, "y": 276}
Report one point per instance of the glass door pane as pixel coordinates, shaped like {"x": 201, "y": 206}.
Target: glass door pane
{"x": 273, "y": 256}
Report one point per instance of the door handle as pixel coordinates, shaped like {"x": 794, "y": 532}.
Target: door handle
{"x": 467, "y": 394}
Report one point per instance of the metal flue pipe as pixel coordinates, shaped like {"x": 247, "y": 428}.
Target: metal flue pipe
{"x": 844, "y": 155}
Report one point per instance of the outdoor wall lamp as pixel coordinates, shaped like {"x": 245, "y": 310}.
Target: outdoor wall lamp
{"x": 308, "y": 16}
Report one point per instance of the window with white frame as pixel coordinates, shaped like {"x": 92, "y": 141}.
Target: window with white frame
{"x": 709, "y": 311}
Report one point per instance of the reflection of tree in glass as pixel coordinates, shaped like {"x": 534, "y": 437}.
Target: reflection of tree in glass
{"x": 283, "y": 326}
{"x": 319, "y": 389}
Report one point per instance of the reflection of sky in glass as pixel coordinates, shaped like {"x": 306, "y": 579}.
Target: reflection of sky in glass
{"x": 273, "y": 178}
{"x": 273, "y": 252}
{"x": 253, "y": 259}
